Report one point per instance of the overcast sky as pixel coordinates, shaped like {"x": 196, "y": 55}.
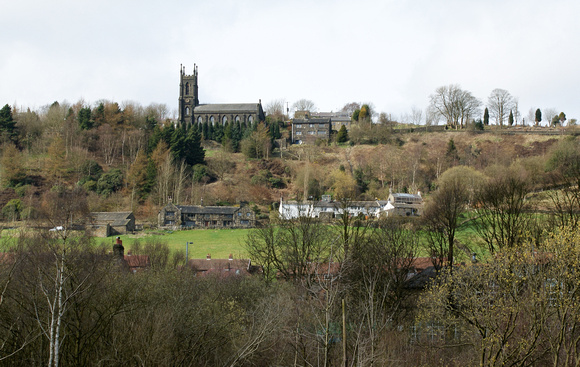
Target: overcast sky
{"x": 393, "y": 54}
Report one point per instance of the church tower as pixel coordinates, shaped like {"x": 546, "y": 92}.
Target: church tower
{"x": 188, "y": 97}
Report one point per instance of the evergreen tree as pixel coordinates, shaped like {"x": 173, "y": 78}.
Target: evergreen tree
{"x": 511, "y": 118}
{"x": 7, "y": 125}
{"x": 538, "y": 116}
{"x": 562, "y": 117}
{"x": 167, "y": 133}
{"x": 342, "y": 136}
{"x": 194, "y": 153}
{"x": 150, "y": 123}
{"x": 218, "y": 132}
{"x": 236, "y": 136}
{"x": 486, "y": 117}
{"x": 178, "y": 144}
{"x": 205, "y": 130}
{"x": 99, "y": 115}
{"x": 154, "y": 139}
{"x": 84, "y": 119}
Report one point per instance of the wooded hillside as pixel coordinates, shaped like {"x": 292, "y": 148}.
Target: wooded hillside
{"x": 129, "y": 157}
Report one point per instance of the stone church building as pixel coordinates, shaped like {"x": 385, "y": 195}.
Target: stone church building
{"x": 190, "y": 110}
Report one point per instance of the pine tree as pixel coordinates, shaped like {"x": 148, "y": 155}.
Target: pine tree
{"x": 205, "y": 130}
{"x": 194, "y": 153}
{"x": 178, "y": 144}
{"x": 342, "y": 136}
{"x": 486, "y": 117}
{"x": 8, "y": 125}
{"x": 511, "y": 118}
{"x": 84, "y": 119}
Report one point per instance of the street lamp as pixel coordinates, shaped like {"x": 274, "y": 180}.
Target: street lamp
{"x": 187, "y": 250}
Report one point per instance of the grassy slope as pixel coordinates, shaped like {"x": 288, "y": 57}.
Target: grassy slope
{"x": 218, "y": 243}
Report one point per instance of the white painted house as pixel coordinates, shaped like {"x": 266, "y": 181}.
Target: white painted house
{"x": 398, "y": 204}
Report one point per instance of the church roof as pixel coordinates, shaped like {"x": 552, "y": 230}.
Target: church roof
{"x": 228, "y": 108}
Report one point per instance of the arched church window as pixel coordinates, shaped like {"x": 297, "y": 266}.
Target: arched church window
{"x": 199, "y": 120}
{"x": 186, "y": 111}
{"x": 212, "y": 120}
{"x": 250, "y": 119}
{"x": 237, "y": 118}
{"x": 186, "y": 88}
{"x": 224, "y": 120}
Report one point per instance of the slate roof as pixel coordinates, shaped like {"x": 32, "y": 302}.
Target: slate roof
{"x": 113, "y": 218}
{"x": 313, "y": 120}
{"x": 407, "y": 196}
{"x": 197, "y": 209}
{"x": 227, "y": 108}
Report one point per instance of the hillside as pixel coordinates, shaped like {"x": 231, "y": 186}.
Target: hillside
{"x": 133, "y": 159}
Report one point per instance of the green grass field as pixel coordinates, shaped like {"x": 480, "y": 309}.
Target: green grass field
{"x": 220, "y": 243}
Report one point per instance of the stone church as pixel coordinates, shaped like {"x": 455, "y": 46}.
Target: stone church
{"x": 190, "y": 110}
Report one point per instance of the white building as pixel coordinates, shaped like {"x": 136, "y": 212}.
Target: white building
{"x": 399, "y": 204}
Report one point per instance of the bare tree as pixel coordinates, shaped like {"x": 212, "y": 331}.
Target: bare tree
{"x": 455, "y": 105}
{"x": 442, "y": 212}
{"x": 516, "y": 111}
{"x": 500, "y": 102}
{"x": 501, "y": 216}
{"x": 416, "y": 115}
{"x": 275, "y": 109}
{"x": 350, "y": 108}
{"x": 304, "y": 105}
{"x": 549, "y": 113}
{"x": 531, "y": 116}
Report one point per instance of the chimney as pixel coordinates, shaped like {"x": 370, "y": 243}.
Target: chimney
{"x": 118, "y": 250}
{"x": 208, "y": 257}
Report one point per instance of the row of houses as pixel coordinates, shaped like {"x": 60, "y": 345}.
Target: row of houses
{"x": 401, "y": 204}
{"x": 105, "y": 224}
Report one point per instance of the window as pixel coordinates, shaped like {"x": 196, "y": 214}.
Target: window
{"x": 199, "y": 120}
{"x": 250, "y": 119}
{"x": 322, "y": 133}
{"x": 311, "y": 132}
{"x": 298, "y": 126}
{"x": 248, "y": 214}
{"x": 298, "y": 132}
{"x": 186, "y": 111}
{"x": 186, "y": 88}
{"x": 237, "y": 118}
{"x": 224, "y": 120}
{"x": 311, "y": 125}
{"x": 212, "y": 120}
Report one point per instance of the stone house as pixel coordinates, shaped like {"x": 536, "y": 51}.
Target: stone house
{"x": 405, "y": 204}
{"x": 199, "y": 216}
{"x": 309, "y": 130}
{"x": 105, "y": 224}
